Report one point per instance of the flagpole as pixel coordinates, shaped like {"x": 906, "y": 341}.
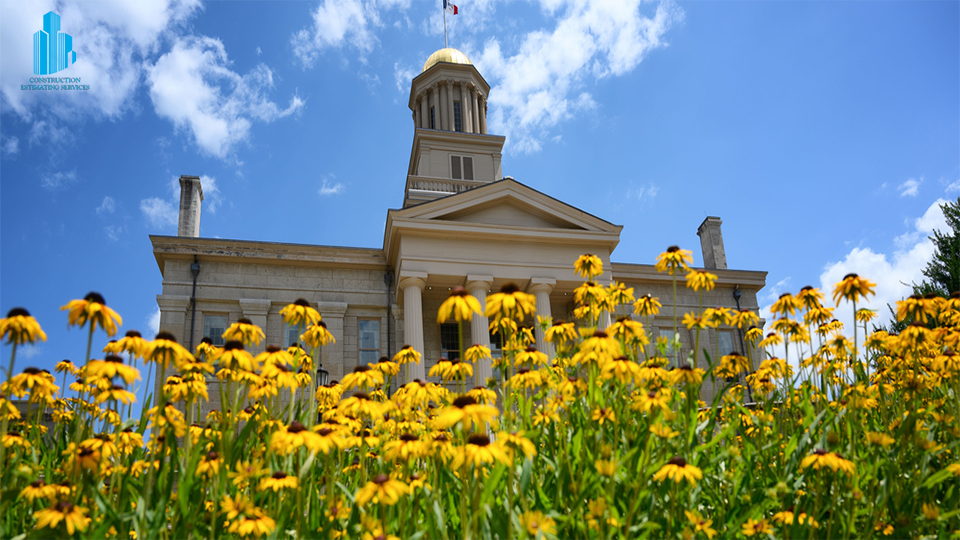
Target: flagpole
{"x": 444, "y": 25}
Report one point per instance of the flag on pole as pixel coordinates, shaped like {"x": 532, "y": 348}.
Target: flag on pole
{"x": 449, "y": 7}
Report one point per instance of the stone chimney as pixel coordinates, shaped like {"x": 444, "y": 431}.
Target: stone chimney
{"x": 191, "y": 195}
{"x": 711, "y": 242}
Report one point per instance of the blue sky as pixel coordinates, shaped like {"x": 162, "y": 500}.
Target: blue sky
{"x": 822, "y": 133}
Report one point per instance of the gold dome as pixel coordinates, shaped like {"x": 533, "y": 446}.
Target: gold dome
{"x": 446, "y": 55}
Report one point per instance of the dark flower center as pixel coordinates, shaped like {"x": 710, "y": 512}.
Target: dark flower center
{"x": 296, "y": 427}
{"x": 599, "y": 334}
{"x": 850, "y": 276}
{"x": 678, "y": 461}
{"x": 479, "y": 440}
{"x": 279, "y": 475}
{"x": 381, "y": 479}
{"x": 273, "y": 349}
{"x": 244, "y": 320}
{"x": 361, "y": 395}
{"x": 673, "y": 249}
{"x": 212, "y": 456}
{"x": 459, "y": 291}
{"x": 64, "y": 507}
{"x": 509, "y": 288}
{"x": 95, "y": 297}
{"x": 167, "y": 336}
{"x": 233, "y": 346}
{"x": 301, "y": 302}
{"x": 206, "y": 340}
{"x": 18, "y": 312}
{"x": 361, "y": 369}
{"x": 325, "y": 431}
{"x": 133, "y": 333}
{"x": 463, "y": 401}
{"x": 409, "y": 437}
{"x": 113, "y": 358}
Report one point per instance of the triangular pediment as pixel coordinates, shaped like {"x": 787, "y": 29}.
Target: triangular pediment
{"x": 507, "y": 203}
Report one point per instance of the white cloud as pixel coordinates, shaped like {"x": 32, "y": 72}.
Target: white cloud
{"x": 10, "y": 147}
{"x": 910, "y": 188}
{"x": 342, "y": 22}
{"x": 114, "y": 232}
{"x": 211, "y": 193}
{"x": 107, "y": 206}
{"x": 402, "y": 75}
{"x": 153, "y": 324}
{"x": 954, "y": 187}
{"x": 159, "y": 213}
{"x": 111, "y": 39}
{"x": 894, "y": 273}
{"x": 329, "y": 188}
{"x": 644, "y": 193}
{"x": 58, "y": 180}
{"x": 193, "y": 86}
{"x": 538, "y": 85}
{"x": 30, "y": 351}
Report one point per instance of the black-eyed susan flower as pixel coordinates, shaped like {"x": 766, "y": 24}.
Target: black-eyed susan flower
{"x": 388, "y": 367}
{"x": 678, "y": 470}
{"x": 647, "y": 306}
{"x": 517, "y": 441}
{"x": 537, "y": 525}
{"x": 407, "y": 355}
{"x": 467, "y": 411}
{"x": 317, "y": 335}
{"x": 460, "y": 305}
{"x": 251, "y": 522}
{"x": 674, "y": 259}
{"x": 245, "y": 472}
{"x": 685, "y": 373}
{"x": 110, "y": 367}
{"x": 233, "y": 357}
{"x": 605, "y": 467}
{"x": 381, "y": 490}
{"x": 74, "y": 518}
{"x": 588, "y": 266}
{"x": 699, "y": 524}
{"x": 786, "y": 304}
{"x": 116, "y": 393}
{"x": 293, "y": 437}
{"x": 753, "y": 527}
{"x": 652, "y": 400}
{"x": 510, "y": 303}
{"x": 560, "y": 332}
{"x": 361, "y": 405}
{"x": 19, "y": 327}
{"x": 598, "y": 349}
{"x": 94, "y": 309}
{"x": 603, "y": 414}
{"x": 38, "y": 490}
{"x": 408, "y": 446}
{"x": 480, "y": 451}
{"x": 244, "y": 331}
{"x": 165, "y": 350}
{"x": 277, "y": 481}
{"x": 701, "y": 280}
{"x": 36, "y": 381}
{"x": 744, "y": 319}
{"x": 299, "y": 312}
{"x": 206, "y": 350}
{"x": 209, "y": 464}
{"x": 852, "y": 287}
{"x": 832, "y": 460}
{"x": 132, "y": 342}
{"x": 362, "y": 377}
{"x": 13, "y": 439}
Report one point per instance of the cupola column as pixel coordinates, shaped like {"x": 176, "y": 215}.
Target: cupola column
{"x": 449, "y": 123}
{"x": 465, "y": 110}
{"x": 474, "y": 110}
{"x": 424, "y": 110}
{"x": 483, "y": 114}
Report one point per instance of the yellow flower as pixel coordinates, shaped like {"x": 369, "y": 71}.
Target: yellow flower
{"x": 930, "y": 511}
{"x": 537, "y": 524}
{"x": 647, "y": 305}
{"x": 381, "y": 490}
{"x": 685, "y": 374}
{"x": 744, "y": 318}
{"x": 232, "y": 357}
{"x": 245, "y": 471}
{"x": 117, "y": 393}
{"x": 299, "y": 312}
{"x": 132, "y": 343}
{"x": 74, "y": 517}
{"x": 94, "y": 309}
{"x": 879, "y": 439}
{"x": 209, "y": 464}
{"x": 588, "y": 266}
{"x": 700, "y": 524}
{"x": 293, "y": 437}
{"x": 821, "y": 458}
{"x": 787, "y": 304}
{"x": 317, "y": 335}
{"x": 677, "y": 469}
{"x": 279, "y": 480}
{"x": 38, "y": 489}
{"x": 406, "y": 355}
{"x": 110, "y": 367}
{"x": 461, "y": 305}
{"x": 245, "y": 518}
{"x": 852, "y": 288}
{"x": 510, "y": 303}
{"x": 652, "y": 400}
{"x": 700, "y": 280}
{"x": 36, "y": 381}
{"x": 732, "y": 365}
{"x": 752, "y": 527}
{"x": 865, "y": 315}
{"x": 245, "y": 332}
{"x": 603, "y": 414}
{"x": 622, "y": 369}
{"x": 560, "y": 332}
{"x": 674, "y": 259}
{"x": 361, "y": 404}
{"x": 479, "y": 451}
{"x": 483, "y": 395}
{"x": 662, "y": 431}
{"x": 605, "y": 467}
{"x": 467, "y": 411}
{"x": 165, "y": 349}
{"x": 19, "y": 327}
{"x": 363, "y": 377}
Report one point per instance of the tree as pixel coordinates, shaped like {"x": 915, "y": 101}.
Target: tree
{"x": 943, "y": 272}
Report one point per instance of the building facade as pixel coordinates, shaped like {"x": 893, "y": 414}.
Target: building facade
{"x": 461, "y": 223}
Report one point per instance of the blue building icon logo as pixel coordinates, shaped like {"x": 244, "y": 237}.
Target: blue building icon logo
{"x": 52, "y": 49}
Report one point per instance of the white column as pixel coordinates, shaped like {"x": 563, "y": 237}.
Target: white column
{"x": 541, "y": 288}
{"x": 425, "y": 110}
{"x": 412, "y": 286}
{"x": 466, "y": 109}
{"x": 443, "y": 112}
{"x": 435, "y": 105}
{"x": 416, "y": 115}
{"x": 449, "y": 122}
{"x": 482, "y": 112}
{"x": 331, "y": 356}
{"x": 604, "y": 320}
{"x": 474, "y": 110}
{"x": 477, "y": 286}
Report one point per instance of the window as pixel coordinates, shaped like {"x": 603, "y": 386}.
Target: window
{"x": 433, "y": 122}
{"x": 673, "y": 351}
{"x": 461, "y": 167}
{"x": 293, "y": 335}
{"x": 496, "y": 350}
{"x": 369, "y": 341}
{"x": 450, "y": 340}
{"x": 213, "y": 327}
{"x": 457, "y": 117}
{"x": 725, "y": 340}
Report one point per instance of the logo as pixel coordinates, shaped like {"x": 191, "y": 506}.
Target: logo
{"x": 52, "y": 49}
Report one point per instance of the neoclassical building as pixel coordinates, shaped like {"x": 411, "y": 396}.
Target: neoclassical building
{"x": 461, "y": 223}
